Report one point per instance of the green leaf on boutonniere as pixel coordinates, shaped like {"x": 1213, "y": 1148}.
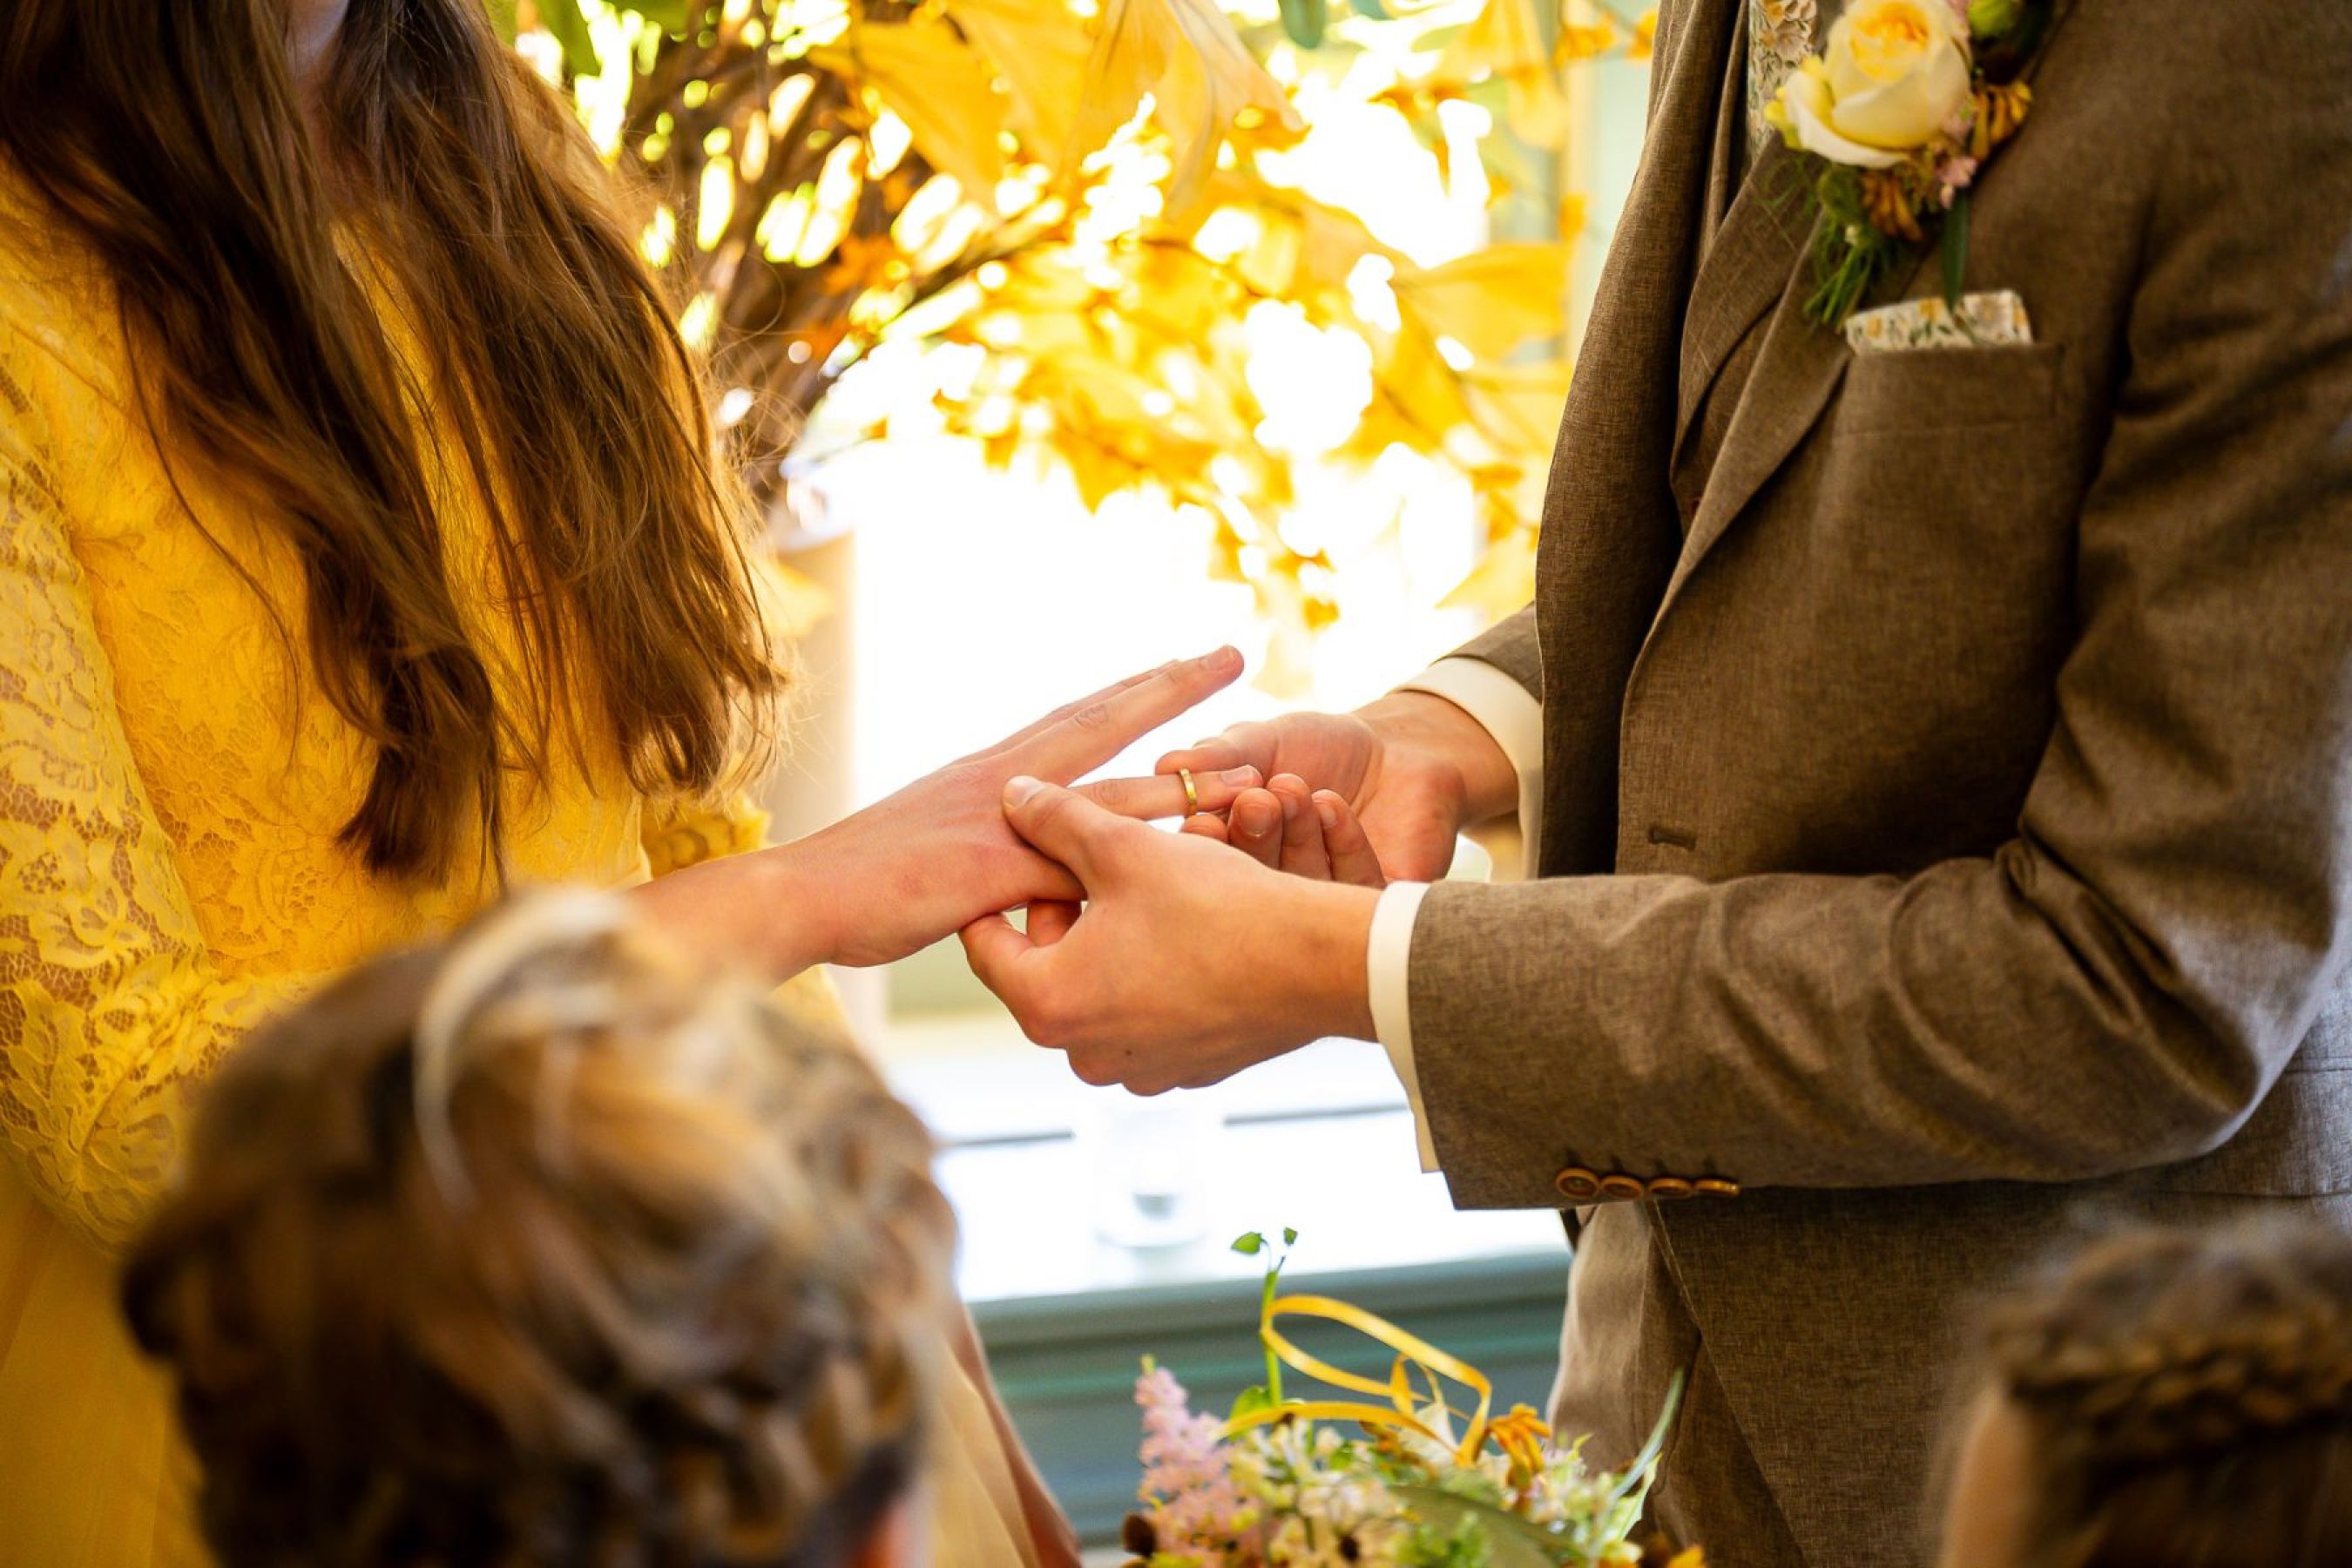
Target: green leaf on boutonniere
{"x": 1953, "y": 249}
{"x": 1990, "y": 18}
{"x": 2001, "y": 52}
{"x": 1370, "y": 10}
{"x": 1850, "y": 253}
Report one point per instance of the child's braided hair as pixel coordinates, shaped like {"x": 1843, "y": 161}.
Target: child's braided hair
{"x": 2188, "y": 1397}
{"x": 546, "y": 1247}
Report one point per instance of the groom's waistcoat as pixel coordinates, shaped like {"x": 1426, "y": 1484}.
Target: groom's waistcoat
{"x": 1948, "y": 752}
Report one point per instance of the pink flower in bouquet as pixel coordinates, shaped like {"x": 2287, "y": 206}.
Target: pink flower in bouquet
{"x": 1180, "y": 1450}
{"x": 1197, "y": 1512}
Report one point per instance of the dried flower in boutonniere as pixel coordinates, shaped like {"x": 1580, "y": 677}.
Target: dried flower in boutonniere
{"x": 1902, "y": 109}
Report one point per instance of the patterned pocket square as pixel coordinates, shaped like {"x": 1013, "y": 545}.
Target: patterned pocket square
{"x": 1982, "y": 320}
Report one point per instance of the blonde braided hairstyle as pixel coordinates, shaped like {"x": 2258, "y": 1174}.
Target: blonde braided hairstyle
{"x": 546, "y": 1245}
{"x": 2188, "y": 1397}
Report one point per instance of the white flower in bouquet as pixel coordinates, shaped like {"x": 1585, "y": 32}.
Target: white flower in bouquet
{"x": 1304, "y": 1542}
{"x": 1331, "y": 1483}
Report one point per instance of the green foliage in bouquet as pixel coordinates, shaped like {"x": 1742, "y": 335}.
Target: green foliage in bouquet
{"x": 1307, "y": 1483}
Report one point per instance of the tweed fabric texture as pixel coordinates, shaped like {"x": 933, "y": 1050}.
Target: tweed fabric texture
{"x": 1947, "y": 809}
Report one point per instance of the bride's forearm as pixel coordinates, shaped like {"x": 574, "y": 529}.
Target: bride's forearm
{"x": 767, "y": 911}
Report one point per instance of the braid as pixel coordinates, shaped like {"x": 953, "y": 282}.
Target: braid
{"x": 2189, "y": 1396}
{"x": 626, "y": 1267}
{"x": 2158, "y": 1397}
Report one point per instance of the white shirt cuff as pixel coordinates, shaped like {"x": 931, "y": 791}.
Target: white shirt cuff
{"x": 1388, "y": 966}
{"x": 1505, "y": 710}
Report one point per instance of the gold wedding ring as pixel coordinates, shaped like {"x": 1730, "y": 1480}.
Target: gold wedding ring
{"x": 1191, "y": 795}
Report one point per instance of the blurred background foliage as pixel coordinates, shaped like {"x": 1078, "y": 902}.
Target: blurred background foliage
{"x": 1117, "y": 230}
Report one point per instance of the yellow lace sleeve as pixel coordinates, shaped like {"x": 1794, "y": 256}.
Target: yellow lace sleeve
{"x": 686, "y": 833}
{"x": 110, "y": 1009}
{"x": 682, "y": 832}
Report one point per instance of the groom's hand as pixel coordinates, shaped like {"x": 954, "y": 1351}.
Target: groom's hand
{"x": 1415, "y": 769}
{"x": 1164, "y": 981}
{"x": 915, "y": 867}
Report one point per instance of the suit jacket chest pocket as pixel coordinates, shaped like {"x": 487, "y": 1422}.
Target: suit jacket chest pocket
{"x": 1937, "y": 510}
{"x": 1951, "y": 478}
{"x": 1937, "y": 390}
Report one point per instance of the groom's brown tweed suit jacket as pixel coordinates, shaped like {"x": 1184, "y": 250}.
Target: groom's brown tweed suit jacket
{"x": 1946, "y": 817}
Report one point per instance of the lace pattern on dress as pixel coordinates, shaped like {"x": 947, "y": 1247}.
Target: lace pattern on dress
{"x": 109, "y": 1007}
{"x": 173, "y": 782}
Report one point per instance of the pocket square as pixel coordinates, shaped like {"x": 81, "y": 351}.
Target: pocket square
{"x": 1993, "y": 319}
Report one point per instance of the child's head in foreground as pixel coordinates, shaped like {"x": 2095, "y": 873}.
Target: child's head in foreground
{"x": 547, "y": 1245}
{"x": 2168, "y": 1399}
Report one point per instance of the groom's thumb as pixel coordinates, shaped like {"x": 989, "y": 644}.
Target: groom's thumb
{"x": 1061, "y": 825}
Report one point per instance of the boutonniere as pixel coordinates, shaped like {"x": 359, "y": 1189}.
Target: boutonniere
{"x": 1901, "y": 110}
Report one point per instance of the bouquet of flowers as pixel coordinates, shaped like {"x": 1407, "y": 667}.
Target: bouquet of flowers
{"x": 1411, "y": 1480}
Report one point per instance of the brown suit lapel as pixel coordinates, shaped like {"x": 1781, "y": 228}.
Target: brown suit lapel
{"x": 1651, "y": 260}
{"x": 1796, "y": 368}
{"x": 1744, "y": 275}
{"x": 1611, "y": 533}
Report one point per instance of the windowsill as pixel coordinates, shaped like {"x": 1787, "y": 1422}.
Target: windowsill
{"x": 1320, "y": 1141}
{"x": 1349, "y": 1185}
{"x": 975, "y": 1079}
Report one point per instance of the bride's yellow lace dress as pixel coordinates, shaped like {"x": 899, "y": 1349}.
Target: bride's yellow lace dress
{"x": 172, "y": 783}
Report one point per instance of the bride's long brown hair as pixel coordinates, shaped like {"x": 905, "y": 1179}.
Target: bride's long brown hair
{"x": 170, "y": 135}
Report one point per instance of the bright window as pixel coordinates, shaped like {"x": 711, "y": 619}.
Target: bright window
{"x": 971, "y": 599}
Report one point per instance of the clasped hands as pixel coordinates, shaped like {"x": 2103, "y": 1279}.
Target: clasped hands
{"x": 1245, "y": 935}
{"x": 1155, "y": 960}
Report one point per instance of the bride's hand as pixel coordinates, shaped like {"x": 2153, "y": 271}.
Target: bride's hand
{"x": 1289, "y": 827}
{"x": 925, "y": 862}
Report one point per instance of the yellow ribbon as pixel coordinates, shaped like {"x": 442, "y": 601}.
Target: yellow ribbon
{"x": 1518, "y": 1435}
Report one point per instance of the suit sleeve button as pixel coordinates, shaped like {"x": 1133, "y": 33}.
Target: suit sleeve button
{"x": 1621, "y": 1189}
{"x": 1578, "y": 1184}
{"x": 1716, "y": 1187}
{"x": 1668, "y": 1189}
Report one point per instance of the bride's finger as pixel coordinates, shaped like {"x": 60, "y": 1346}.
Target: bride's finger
{"x": 1098, "y": 732}
{"x": 1352, "y": 859}
{"x": 1050, "y": 920}
{"x": 1030, "y": 731}
{"x": 1302, "y": 830}
{"x": 1254, "y": 826}
{"x": 1163, "y": 793}
{"x": 1249, "y": 746}
{"x": 1207, "y": 826}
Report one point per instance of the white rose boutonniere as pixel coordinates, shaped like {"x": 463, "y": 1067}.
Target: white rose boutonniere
{"x": 1895, "y": 73}
{"x": 1901, "y": 108}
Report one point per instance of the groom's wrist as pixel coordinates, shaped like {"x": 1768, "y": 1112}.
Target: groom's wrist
{"x": 1449, "y": 734}
{"x": 1330, "y": 993}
